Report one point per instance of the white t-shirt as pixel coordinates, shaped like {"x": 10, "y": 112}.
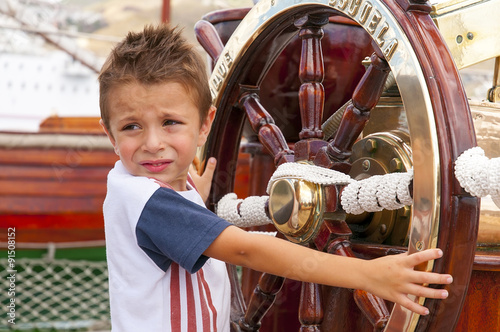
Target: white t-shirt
{"x": 159, "y": 279}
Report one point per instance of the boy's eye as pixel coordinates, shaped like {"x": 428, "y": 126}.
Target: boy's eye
{"x": 170, "y": 122}
{"x": 130, "y": 127}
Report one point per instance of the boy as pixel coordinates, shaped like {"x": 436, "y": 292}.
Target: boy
{"x": 156, "y": 110}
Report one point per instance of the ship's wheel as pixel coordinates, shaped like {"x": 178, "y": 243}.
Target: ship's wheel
{"x": 406, "y": 45}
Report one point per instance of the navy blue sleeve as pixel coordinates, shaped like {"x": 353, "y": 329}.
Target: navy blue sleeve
{"x": 172, "y": 228}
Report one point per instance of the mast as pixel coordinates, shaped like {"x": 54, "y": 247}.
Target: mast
{"x": 165, "y": 11}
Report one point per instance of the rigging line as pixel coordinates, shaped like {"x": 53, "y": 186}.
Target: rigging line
{"x": 72, "y": 34}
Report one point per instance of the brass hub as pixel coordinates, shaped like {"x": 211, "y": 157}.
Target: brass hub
{"x": 296, "y": 208}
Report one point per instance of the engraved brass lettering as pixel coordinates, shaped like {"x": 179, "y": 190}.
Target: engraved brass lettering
{"x": 228, "y": 59}
{"x": 390, "y": 48}
{"x": 371, "y": 19}
{"x": 365, "y": 12}
{"x": 375, "y": 20}
{"x": 354, "y": 7}
{"x": 221, "y": 73}
{"x": 222, "y": 70}
{"x": 216, "y": 82}
{"x": 341, "y": 4}
{"x": 380, "y": 35}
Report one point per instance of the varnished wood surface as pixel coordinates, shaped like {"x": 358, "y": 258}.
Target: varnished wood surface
{"x": 62, "y": 160}
{"x": 56, "y": 228}
{"x": 487, "y": 259}
{"x": 481, "y": 311}
{"x": 54, "y": 194}
{"x": 80, "y": 125}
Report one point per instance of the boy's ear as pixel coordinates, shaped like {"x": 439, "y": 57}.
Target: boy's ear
{"x": 111, "y": 139}
{"x": 206, "y": 126}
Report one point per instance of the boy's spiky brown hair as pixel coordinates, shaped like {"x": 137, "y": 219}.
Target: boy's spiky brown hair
{"x": 158, "y": 54}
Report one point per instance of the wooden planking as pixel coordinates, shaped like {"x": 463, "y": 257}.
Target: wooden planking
{"x": 481, "y": 310}
{"x": 44, "y": 204}
{"x": 76, "y": 124}
{"x": 58, "y": 157}
{"x": 53, "y": 221}
{"x": 54, "y": 172}
{"x": 69, "y": 188}
{"x": 53, "y": 181}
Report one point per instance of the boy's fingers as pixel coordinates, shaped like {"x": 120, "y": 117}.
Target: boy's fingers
{"x": 431, "y": 278}
{"x": 424, "y": 256}
{"x": 421, "y": 291}
{"x": 210, "y": 168}
{"x": 431, "y": 293}
{"x": 413, "y": 306}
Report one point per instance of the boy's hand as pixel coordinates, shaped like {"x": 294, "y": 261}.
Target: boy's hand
{"x": 393, "y": 278}
{"x": 203, "y": 182}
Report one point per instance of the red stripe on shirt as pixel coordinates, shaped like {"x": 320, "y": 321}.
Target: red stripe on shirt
{"x": 209, "y": 298}
{"x": 191, "y": 305}
{"x": 205, "y": 315}
{"x": 175, "y": 298}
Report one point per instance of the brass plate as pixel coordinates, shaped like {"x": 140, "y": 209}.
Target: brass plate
{"x": 469, "y": 28}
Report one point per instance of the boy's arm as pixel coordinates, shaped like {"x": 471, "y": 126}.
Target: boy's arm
{"x": 390, "y": 277}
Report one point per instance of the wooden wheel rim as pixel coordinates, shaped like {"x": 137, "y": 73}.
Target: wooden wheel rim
{"x": 410, "y": 43}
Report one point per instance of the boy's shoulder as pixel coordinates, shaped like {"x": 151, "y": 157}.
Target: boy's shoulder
{"x": 122, "y": 183}
{"x": 125, "y": 188}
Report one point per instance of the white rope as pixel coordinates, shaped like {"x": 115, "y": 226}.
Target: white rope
{"x": 252, "y": 210}
{"x": 308, "y": 172}
{"x": 479, "y": 175}
{"x": 389, "y": 191}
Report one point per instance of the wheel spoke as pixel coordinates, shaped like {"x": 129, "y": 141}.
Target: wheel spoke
{"x": 311, "y": 74}
{"x": 373, "y": 307}
{"x": 311, "y": 92}
{"x": 262, "y": 299}
{"x": 310, "y": 308}
{"x": 263, "y": 124}
{"x": 209, "y": 39}
{"x": 356, "y": 115}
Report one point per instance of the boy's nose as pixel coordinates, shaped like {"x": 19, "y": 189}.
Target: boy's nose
{"x": 153, "y": 142}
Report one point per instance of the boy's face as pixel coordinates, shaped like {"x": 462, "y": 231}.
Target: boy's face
{"x": 156, "y": 130}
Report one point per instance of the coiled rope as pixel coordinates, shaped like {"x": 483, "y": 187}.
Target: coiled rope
{"x": 478, "y": 174}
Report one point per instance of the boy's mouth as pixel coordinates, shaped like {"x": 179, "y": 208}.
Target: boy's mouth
{"x": 155, "y": 166}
